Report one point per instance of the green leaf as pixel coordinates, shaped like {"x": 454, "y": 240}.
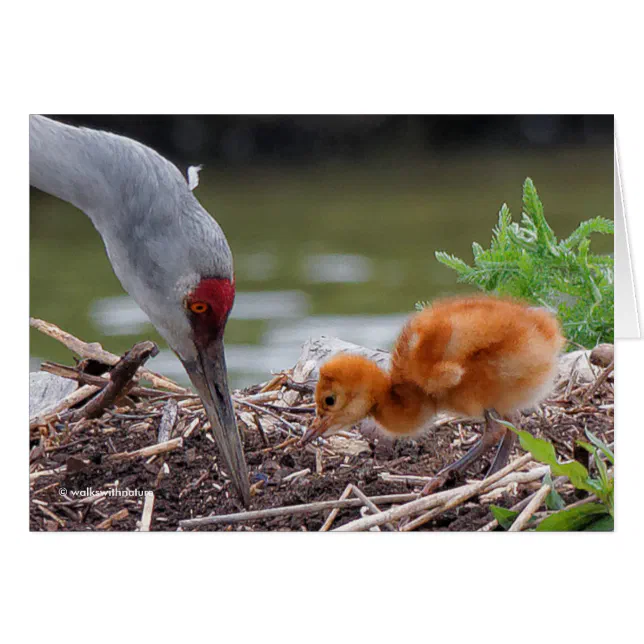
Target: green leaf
{"x": 505, "y": 517}
{"x": 453, "y": 262}
{"x": 544, "y": 452}
{"x": 553, "y": 500}
{"x": 477, "y": 250}
{"x": 603, "y": 472}
{"x": 587, "y": 228}
{"x": 526, "y": 261}
{"x": 572, "y": 519}
{"x": 577, "y": 474}
{"x": 603, "y": 524}
{"x": 534, "y": 209}
{"x": 587, "y": 446}
{"x": 601, "y": 446}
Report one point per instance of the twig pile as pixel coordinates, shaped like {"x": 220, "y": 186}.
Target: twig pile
{"x": 118, "y": 454}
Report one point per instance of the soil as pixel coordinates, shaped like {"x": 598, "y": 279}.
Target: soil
{"x": 188, "y": 483}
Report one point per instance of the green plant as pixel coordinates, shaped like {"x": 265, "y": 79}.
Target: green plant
{"x": 589, "y": 516}
{"x": 527, "y": 261}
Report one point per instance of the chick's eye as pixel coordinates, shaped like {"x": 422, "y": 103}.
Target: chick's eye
{"x": 329, "y": 401}
{"x": 198, "y": 307}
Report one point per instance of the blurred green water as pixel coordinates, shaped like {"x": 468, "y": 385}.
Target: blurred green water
{"x": 276, "y": 221}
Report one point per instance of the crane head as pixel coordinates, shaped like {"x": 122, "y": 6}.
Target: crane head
{"x": 206, "y": 308}
{"x": 347, "y": 391}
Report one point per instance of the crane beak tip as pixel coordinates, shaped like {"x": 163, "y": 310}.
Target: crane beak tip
{"x": 209, "y": 378}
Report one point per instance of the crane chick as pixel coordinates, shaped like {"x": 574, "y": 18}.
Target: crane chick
{"x": 478, "y": 356}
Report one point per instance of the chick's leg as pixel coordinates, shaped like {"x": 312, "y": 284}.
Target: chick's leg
{"x": 493, "y": 434}
{"x": 505, "y": 447}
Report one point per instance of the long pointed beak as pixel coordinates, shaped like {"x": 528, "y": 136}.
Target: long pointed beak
{"x": 317, "y": 428}
{"x": 208, "y": 375}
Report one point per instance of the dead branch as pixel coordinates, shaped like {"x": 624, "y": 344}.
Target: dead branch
{"x": 525, "y": 516}
{"x": 599, "y": 381}
{"x": 439, "y": 500}
{"x": 72, "y": 373}
{"x": 117, "y": 516}
{"x": 468, "y": 494}
{"x": 334, "y": 513}
{"x": 73, "y": 399}
{"x": 152, "y": 450}
{"x": 146, "y": 517}
{"x": 94, "y": 351}
{"x": 371, "y": 505}
{"x": 120, "y": 376}
{"x": 305, "y": 508}
{"x": 168, "y": 419}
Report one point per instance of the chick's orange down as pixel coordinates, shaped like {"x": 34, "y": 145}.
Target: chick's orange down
{"x": 478, "y": 353}
{"x": 478, "y": 356}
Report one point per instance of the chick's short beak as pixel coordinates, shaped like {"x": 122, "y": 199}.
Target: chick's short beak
{"x": 208, "y": 375}
{"x": 318, "y": 428}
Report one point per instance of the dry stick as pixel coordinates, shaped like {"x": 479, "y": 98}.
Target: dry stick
{"x": 450, "y": 498}
{"x": 191, "y": 428}
{"x": 168, "y": 419}
{"x": 94, "y": 351}
{"x": 270, "y": 413}
{"x": 51, "y": 515}
{"x": 146, "y": 517}
{"x": 466, "y": 494}
{"x": 260, "y": 427}
{"x": 517, "y": 507}
{"x": 599, "y": 381}
{"x": 408, "y": 478}
{"x": 488, "y": 527}
{"x": 307, "y": 387}
{"x": 371, "y": 505}
{"x": 307, "y": 508}
{"x": 36, "y": 475}
{"x": 520, "y": 477}
{"x": 302, "y": 409}
{"x": 334, "y": 513}
{"x": 71, "y": 373}
{"x": 159, "y": 448}
{"x": 120, "y": 376}
{"x": 296, "y": 475}
{"x": 261, "y": 397}
{"x": 69, "y": 401}
{"x": 121, "y": 514}
{"x": 525, "y": 516}
{"x": 274, "y": 383}
{"x": 286, "y": 443}
{"x": 588, "y": 499}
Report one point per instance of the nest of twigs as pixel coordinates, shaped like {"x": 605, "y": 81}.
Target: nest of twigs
{"x": 118, "y": 454}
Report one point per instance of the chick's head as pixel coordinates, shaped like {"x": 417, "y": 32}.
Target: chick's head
{"x": 348, "y": 388}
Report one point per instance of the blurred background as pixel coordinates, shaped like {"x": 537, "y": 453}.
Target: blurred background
{"x": 333, "y": 222}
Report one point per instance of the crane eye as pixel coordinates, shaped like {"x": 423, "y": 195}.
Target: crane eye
{"x": 198, "y": 307}
{"x": 329, "y": 401}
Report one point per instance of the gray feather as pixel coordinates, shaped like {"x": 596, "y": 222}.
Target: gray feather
{"x": 159, "y": 238}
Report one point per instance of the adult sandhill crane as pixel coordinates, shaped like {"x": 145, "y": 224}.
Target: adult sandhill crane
{"x": 169, "y": 254}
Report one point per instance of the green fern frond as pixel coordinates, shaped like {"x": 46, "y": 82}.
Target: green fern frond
{"x": 453, "y": 262}
{"x": 477, "y": 250}
{"x": 526, "y": 261}
{"x": 598, "y": 225}
{"x": 533, "y": 208}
